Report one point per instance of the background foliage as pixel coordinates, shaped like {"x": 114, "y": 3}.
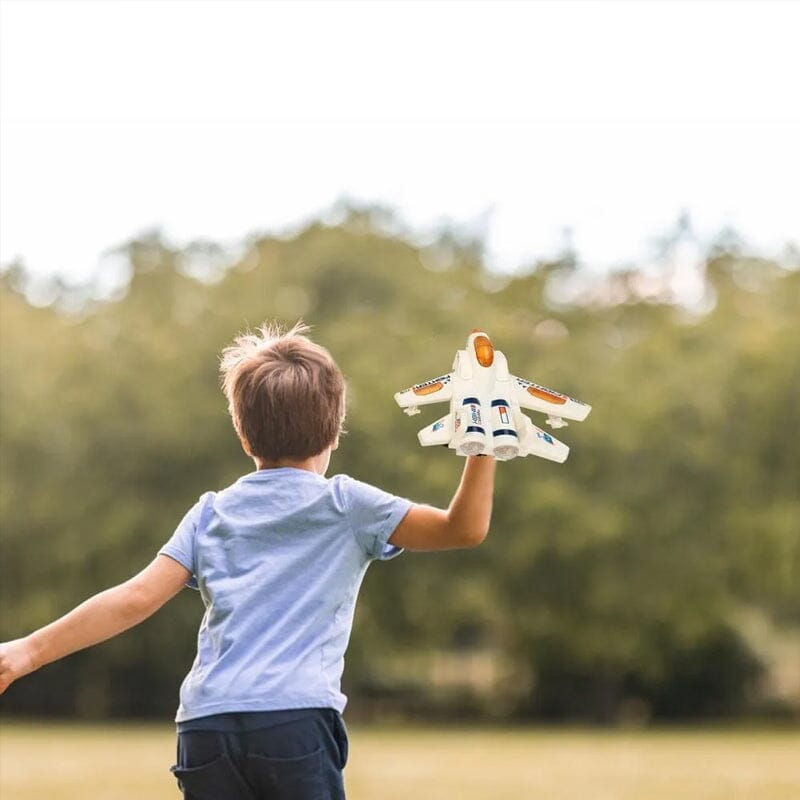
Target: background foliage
{"x": 655, "y": 574}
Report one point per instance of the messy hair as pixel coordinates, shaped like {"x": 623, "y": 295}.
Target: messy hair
{"x": 286, "y": 395}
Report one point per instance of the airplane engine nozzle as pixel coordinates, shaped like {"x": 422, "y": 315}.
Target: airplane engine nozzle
{"x": 472, "y": 448}
{"x": 505, "y": 452}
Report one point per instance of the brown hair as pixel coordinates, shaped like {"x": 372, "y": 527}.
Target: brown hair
{"x": 285, "y": 393}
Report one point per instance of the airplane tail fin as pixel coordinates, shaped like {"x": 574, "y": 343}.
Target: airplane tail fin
{"x": 534, "y": 441}
{"x": 440, "y": 432}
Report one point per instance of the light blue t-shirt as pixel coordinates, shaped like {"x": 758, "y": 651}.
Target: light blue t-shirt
{"x": 278, "y": 558}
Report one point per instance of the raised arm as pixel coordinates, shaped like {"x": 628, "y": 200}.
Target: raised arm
{"x": 99, "y": 618}
{"x": 466, "y": 521}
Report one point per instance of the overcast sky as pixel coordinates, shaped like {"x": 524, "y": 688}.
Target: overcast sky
{"x": 217, "y": 119}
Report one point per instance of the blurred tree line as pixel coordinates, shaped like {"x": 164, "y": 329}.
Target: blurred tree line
{"x": 656, "y": 574}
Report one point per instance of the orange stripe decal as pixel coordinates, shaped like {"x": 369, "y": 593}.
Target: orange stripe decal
{"x": 550, "y": 397}
{"x": 428, "y": 388}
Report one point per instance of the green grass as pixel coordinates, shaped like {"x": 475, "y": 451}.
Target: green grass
{"x": 77, "y": 762}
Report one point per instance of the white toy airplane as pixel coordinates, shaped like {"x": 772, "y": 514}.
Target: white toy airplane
{"x": 485, "y": 407}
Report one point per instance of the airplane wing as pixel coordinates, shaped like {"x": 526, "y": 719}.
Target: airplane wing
{"x": 534, "y": 441}
{"x": 539, "y": 398}
{"x": 436, "y": 390}
{"x": 440, "y": 432}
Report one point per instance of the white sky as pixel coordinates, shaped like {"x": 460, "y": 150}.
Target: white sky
{"x": 216, "y": 119}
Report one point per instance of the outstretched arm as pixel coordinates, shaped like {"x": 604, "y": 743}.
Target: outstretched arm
{"x": 466, "y": 521}
{"x": 99, "y": 618}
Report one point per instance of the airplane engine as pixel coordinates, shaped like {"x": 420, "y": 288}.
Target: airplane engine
{"x": 504, "y": 431}
{"x": 470, "y": 435}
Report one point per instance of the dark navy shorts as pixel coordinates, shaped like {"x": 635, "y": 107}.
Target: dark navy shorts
{"x": 296, "y": 754}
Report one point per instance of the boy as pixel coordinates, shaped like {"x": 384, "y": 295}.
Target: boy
{"x": 278, "y": 558}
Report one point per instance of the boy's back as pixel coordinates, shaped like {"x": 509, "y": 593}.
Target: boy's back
{"x": 278, "y": 558}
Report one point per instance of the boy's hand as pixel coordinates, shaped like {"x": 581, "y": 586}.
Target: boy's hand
{"x": 16, "y": 660}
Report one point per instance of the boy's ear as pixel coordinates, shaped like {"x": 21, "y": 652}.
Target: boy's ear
{"x": 335, "y": 444}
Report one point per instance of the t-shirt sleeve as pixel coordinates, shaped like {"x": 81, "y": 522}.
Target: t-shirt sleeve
{"x": 181, "y": 545}
{"x": 374, "y": 515}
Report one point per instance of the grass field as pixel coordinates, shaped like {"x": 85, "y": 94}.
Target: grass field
{"x": 71, "y": 762}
